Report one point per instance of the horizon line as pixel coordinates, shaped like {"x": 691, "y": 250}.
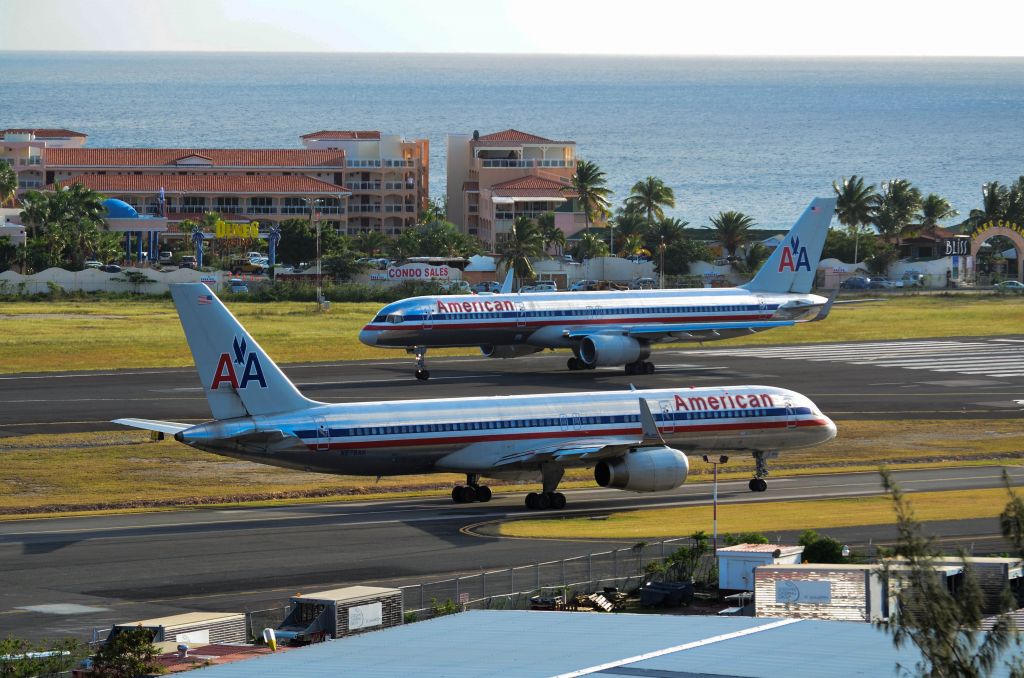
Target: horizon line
{"x": 521, "y": 54}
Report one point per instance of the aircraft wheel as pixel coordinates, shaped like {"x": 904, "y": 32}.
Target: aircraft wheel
{"x": 753, "y": 484}
{"x": 423, "y": 375}
{"x": 762, "y": 485}
{"x": 557, "y": 500}
{"x": 630, "y": 368}
{"x": 469, "y": 494}
{"x": 531, "y": 500}
{"x": 483, "y": 493}
{"x": 648, "y": 368}
{"x": 543, "y": 501}
{"x": 574, "y": 364}
{"x": 457, "y": 494}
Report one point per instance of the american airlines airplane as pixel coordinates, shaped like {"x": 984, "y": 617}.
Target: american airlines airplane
{"x": 615, "y": 328}
{"x": 634, "y": 440}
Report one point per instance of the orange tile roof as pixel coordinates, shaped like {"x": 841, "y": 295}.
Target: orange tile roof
{"x": 44, "y": 132}
{"x": 342, "y": 134}
{"x": 201, "y": 183}
{"x": 533, "y": 186}
{"x": 219, "y": 157}
{"x": 512, "y": 135}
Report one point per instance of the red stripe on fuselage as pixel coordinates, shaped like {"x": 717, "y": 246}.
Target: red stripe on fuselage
{"x": 415, "y": 442}
{"x": 570, "y": 321}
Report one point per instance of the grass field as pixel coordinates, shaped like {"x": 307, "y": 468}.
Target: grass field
{"x": 761, "y": 517}
{"x": 124, "y": 470}
{"x": 100, "y": 335}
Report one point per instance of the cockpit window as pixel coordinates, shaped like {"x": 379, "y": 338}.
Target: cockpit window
{"x": 395, "y": 318}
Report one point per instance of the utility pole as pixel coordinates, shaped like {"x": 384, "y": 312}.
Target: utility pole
{"x": 714, "y": 516}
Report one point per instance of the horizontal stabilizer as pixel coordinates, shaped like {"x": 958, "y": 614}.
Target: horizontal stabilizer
{"x": 169, "y": 427}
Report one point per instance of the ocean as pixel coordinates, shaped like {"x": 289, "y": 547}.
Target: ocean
{"x": 757, "y": 135}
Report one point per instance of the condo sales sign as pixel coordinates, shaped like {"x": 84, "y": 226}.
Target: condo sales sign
{"x": 417, "y": 272}
{"x": 794, "y": 591}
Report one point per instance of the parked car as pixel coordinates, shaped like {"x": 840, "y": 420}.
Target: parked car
{"x": 454, "y": 287}
{"x": 165, "y": 257}
{"x": 545, "y": 286}
{"x": 92, "y": 263}
{"x": 1011, "y": 286}
{"x": 584, "y": 285}
{"x": 238, "y": 286}
{"x": 913, "y": 280}
{"x": 246, "y": 266}
{"x": 643, "y": 284}
{"x": 188, "y": 261}
{"x": 110, "y": 268}
{"x": 491, "y": 286}
{"x": 884, "y": 284}
{"x": 857, "y": 282}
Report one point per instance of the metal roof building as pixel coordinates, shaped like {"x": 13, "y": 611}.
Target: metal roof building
{"x": 521, "y": 643}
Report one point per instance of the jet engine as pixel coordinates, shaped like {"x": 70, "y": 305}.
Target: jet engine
{"x": 609, "y": 349}
{"x": 507, "y": 350}
{"x": 652, "y": 469}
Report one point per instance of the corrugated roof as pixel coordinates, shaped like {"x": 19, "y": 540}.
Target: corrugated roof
{"x": 761, "y": 548}
{"x": 218, "y": 157}
{"x": 184, "y": 618}
{"x": 342, "y": 134}
{"x": 203, "y": 183}
{"x": 348, "y": 593}
{"x": 520, "y": 643}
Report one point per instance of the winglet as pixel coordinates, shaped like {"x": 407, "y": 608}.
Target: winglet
{"x": 823, "y": 313}
{"x": 506, "y": 287}
{"x": 650, "y": 427}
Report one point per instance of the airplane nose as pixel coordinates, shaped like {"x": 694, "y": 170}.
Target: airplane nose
{"x": 368, "y": 337}
{"x": 829, "y": 430}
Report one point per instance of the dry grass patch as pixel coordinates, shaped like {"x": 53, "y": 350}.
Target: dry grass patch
{"x": 762, "y": 516}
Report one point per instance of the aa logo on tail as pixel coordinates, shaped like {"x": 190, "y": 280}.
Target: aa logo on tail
{"x": 249, "y": 364}
{"x": 794, "y": 257}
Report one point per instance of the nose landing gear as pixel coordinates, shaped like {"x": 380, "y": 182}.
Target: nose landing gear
{"x": 422, "y": 373}
{"x": 758, "y": 482}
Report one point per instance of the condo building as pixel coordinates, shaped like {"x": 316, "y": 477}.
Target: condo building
{"x": 494, "y": 178}
{"x": 355, "y": 181}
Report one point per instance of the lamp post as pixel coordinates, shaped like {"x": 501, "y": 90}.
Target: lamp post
{"x": 661, "y": 263}
{"x": 311, "y": 204}
{"x": 714, "y": 516}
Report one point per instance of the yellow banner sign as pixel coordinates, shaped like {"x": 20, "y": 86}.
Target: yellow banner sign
{"x": 226, "y": 230}
{"x": 998, "y": 223}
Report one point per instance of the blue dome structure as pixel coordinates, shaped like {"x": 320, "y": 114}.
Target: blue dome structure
{"x": 119, "y": 209}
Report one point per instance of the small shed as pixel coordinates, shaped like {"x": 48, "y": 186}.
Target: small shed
{"x": 315, "y": 617}
{"x": 993, "y": 575}
{"x": 736, "y": 563}
{"x": 194, "y": 628}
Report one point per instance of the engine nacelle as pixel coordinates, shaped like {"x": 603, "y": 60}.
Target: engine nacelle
{"x": 610, "y": 349}
{"x": 507, "y": 350}
{"x": 652, "y": 469}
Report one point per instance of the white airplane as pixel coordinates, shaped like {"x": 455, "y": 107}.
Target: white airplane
{"x": 615, "y": 328}
{"x": 634, "y": 440}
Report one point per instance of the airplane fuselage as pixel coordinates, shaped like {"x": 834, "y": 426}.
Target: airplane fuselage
{"x": 489, "y": 436}
{"x": 557, "y": 319}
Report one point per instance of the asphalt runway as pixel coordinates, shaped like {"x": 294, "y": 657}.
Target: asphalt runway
{"x": 943, "y": 379}
{"x": 67, "y": 576}
{"x": 90, "y": 572}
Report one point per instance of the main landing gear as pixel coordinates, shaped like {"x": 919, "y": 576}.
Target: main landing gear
{"x": 472, "y": 491}
{"x": 758, "y": 482}
{"x": 577, "y": 364}
{"x": 422, "y": 373}
{"x": 549, "y": 498}
{"x": 640, "y": 367}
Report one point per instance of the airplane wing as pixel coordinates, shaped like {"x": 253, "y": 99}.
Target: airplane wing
{"x": 691, "y": 329}
{"x": 153, "y": 425}
{"x": 586, "y": 450}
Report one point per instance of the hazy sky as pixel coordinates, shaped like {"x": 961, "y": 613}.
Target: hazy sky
{"x": 656, "y": 27}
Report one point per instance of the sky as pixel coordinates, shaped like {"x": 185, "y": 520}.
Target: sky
{"x": 641, "y": 27}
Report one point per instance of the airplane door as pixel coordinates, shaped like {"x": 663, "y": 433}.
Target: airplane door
{"x": 762, "y": 303}
{"x": 564, "y": 421}
{"x": 428, "y": 319}
{"x": 790, "y": 414}
{"x": 520, "y": 315}
{"x": 668, "y": 424}
{"x": 323, "y": 434}
{"x": 577, "y": 421}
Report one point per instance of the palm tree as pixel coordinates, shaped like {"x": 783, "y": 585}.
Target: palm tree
{"x": 649, "y": 196}
{"x": 855, "y": 204}
{"x": 371, "y": 243}
{"x": 589, "y": 183}
{"x": 553, "y": 236}
{"x": 896, "y": 207}
{"x": 590, "y": 246}
{"x": 995, "y": 201}
{"x": 732, "y": 228}
{"x": 8, "y": 183}
{"x": 666, "y": 232}
{"x": 525, "y": 243}
{"x": 632, "y": 244}
{"x": 935, "y": 208}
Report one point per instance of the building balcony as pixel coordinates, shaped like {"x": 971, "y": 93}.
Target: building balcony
{"x": 364, "y": 209}
{"x": 369, "y": 164}
{"x": 363, "y": 185}
{"x": 392, "y": 209}
{"x": 517, "y": 163}
{"x": 320, "y": 209}
{"x": 395, "y": 162}
{"x": 399, "y": 186}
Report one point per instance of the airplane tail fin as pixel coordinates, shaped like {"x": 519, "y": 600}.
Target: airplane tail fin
{"x": 238, "y": 376}
{"x": 792, "y": 265}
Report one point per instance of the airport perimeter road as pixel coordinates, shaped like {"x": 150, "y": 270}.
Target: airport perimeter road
{"x": 933, "y": 379}
{"x": 66, "y": 576}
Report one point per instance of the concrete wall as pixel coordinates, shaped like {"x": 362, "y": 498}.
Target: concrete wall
{"x": 93, "y": 280}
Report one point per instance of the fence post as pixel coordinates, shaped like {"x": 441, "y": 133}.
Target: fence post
{"x": 457, "y": 590}
{"x": 513, "y": 570}
{"x": 590, "y": 569}
{"x": 483, "y": 584}
{"x": 537, "y": 566}
{"x": 663, "y": 549}
{"x": 422, "y": 606}
{"x": 615, "y": 565}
